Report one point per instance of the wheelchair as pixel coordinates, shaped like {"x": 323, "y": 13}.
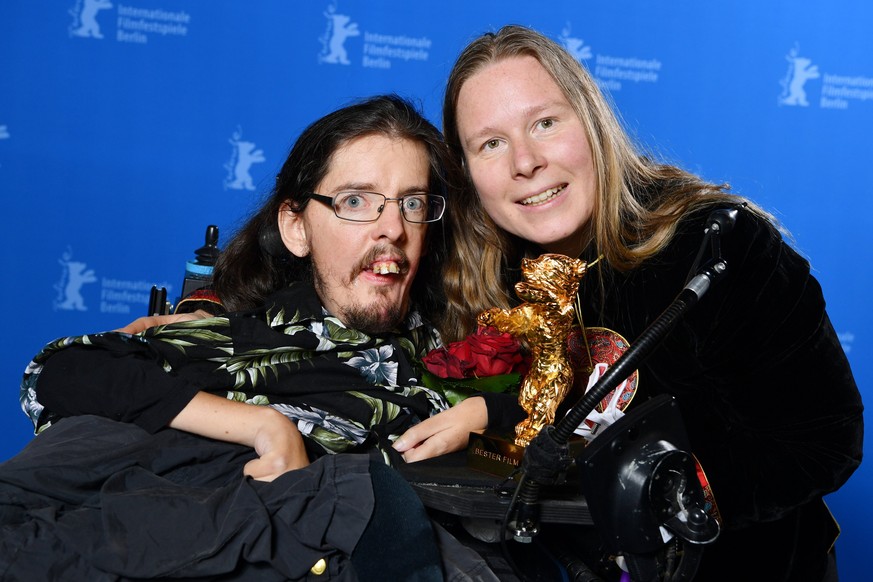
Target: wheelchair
{"x": 628, "y": 507}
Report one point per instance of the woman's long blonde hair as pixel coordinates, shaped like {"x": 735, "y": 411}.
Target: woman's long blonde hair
{"x": 637, "y": 206}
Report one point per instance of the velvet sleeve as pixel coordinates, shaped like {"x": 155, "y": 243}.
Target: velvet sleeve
{"x": 770, "y": 400}
{"x": 116, "y": 384}
{"x": 504, "y": 411}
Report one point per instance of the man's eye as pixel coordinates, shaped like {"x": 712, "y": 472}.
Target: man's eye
{"x": 351, "y": 201}
{"x": 414, "y": 203}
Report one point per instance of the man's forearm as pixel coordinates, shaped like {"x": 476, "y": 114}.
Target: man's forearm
{"x": 218, "y": 418}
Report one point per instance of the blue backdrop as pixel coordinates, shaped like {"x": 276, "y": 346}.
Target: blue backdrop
{"x": 128, "y": 126}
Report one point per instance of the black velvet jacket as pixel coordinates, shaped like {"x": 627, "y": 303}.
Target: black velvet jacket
{"x": 768, "y": 398}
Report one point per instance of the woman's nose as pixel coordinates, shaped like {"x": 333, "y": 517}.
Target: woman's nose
{"x": 526, "y": 158}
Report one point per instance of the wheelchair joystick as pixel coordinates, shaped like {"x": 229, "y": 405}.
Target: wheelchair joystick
{"x": 198, "y": 273}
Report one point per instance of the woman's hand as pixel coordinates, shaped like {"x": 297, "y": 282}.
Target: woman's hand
{"x": 445, "y": 432}
{"x": 143, "y": 323}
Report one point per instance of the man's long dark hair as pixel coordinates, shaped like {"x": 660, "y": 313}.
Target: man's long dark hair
{"x": 255, "y": 263}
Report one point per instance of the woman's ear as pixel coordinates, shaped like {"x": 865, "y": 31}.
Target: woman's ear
{"x": 292, "y": 229}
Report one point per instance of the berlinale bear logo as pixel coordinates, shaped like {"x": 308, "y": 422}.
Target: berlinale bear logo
{"x": 85, "y": 17}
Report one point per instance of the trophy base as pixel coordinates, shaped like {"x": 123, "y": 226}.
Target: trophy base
{"x": 494, "y": 453}
{"x": 497, "y": 454}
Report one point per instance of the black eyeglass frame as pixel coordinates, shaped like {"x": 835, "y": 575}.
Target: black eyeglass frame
{"x": 329, "y": 201}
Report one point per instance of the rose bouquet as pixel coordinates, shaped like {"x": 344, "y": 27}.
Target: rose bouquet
{"x": 485, "y": 361}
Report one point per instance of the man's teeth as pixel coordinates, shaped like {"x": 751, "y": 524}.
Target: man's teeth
{"x": 385, "y": 268}
{"x": 542, "y": 197}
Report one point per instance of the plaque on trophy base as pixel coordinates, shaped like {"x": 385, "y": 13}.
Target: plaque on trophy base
{"x": 497, "y": 454}
{"x": 494, "y": 453}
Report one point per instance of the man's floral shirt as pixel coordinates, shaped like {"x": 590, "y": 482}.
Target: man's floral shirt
{"x": 345, "y": 390}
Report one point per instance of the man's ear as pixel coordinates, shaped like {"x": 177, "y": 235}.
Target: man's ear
{"x": 292, "y": 229}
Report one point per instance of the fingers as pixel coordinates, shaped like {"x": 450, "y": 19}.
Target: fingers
{"x": 445, "y": 432}
{"x": 259, "y": 470}
{"x": 413, "y": 437}
{"x": 279, "y": 446}
{"x": 431, "y": 438}
{"x": 143, "y": 323}
{"x": 434, "y": 446}
{"x": 270, "y": 466}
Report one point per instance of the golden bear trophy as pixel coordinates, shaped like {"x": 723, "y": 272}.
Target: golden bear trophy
{"x": 544, "y": 321}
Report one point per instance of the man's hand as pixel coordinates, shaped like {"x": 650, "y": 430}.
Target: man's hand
{"x": 270, "y": 433}
{"x": 143, "y": 323}
{"x": 445, "y": 432}
{"x": 280, "y": 448}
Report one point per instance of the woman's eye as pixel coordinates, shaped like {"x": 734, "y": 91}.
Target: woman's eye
{"x": 491, "y": 144}
{"x": 547, "y": 123}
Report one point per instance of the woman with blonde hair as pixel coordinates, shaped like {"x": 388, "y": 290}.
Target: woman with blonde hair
{"x": 766, "y": 392}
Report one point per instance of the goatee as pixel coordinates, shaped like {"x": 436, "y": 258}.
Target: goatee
{"x": 378, "y": 317}
{"x": 372, "y": 320}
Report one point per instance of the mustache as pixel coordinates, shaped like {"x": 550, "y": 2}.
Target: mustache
{"x": 381, "y": 251}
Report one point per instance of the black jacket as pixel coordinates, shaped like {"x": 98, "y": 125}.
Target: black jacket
{"x": 766, "y": 392}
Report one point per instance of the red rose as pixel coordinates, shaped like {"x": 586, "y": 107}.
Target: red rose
{"x": 484, "y": 353}
{"x": 443, "y": 364}
{"x": 493, "y": 353}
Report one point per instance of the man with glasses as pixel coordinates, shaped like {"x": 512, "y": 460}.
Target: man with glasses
{"x": 322, "y": 331}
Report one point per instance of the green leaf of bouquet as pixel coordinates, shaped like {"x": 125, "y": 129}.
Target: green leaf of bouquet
{"x": 456, "y": 390}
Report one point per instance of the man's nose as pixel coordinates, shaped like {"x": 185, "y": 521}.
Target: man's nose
{"x": 391, "y": 223}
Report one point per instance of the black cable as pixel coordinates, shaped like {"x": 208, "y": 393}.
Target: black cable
{"x": 504, "y": 548}
{"x": 625, "y": 365}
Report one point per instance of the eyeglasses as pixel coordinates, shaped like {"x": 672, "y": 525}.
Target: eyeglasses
{"x": 358, "y": 206}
